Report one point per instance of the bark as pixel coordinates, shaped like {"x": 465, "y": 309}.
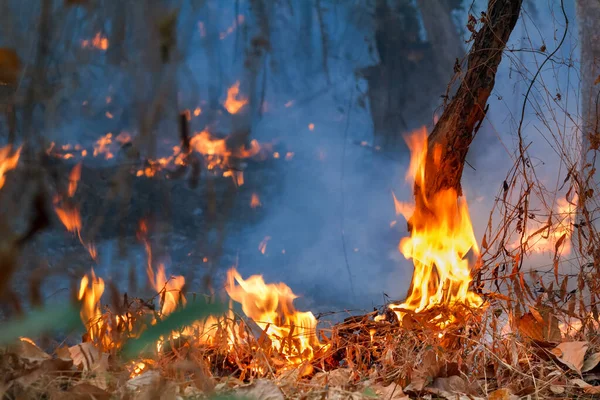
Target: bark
{"x": 459, "y": 122}
{"x": 588, "y": 13}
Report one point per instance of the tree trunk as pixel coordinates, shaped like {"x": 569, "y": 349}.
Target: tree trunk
{"x": 450, "y": 139}
{"x": 588, "y": 13}
{"x": 443, "y": 35}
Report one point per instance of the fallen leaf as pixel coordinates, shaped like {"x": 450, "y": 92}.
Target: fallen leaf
{"x": 571, "y": 354}
{"x": 393, "y": 391}
{"x": 557, "y": 389}
{"x": 589, "y": 389}
{"x": 502, "y": 394}
{"x": 597, "y": 81}
{"x": 28, "y": 350}
{"x": 145, "y": 379}
{"x": 337, "y": 378}
{"x": 261, "y": 390}
{"x": 453, "y": 384}
{"x": 85, "y": 391}
{"x": 591, "y": 362}
{"x": 87, "y": 356}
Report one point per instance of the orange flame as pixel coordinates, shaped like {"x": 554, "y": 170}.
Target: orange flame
{"x": 8, "y": 161}
{"x": 233, "y": 104}
{"x": 255, "y": 201}
{"x": 440, "y": 239}
{"x": 99, "y": 42}
{"x": 74, "y": 178}
{"x": 102, "y": 146}
{"x": 292, "y": 333}
{"x": 90, "y": 292}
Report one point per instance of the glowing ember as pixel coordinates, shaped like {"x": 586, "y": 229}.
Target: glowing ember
{"x": 102, "y": 146}
{"x": 441, "y": 237}
{"x": 99, "y": 42}
{"x": 197, "y": 111}
{"x": 8, "y": 161}
{"x": 233, "y": 104}
{"x": 292, "y": 333}
{"x": 255, "y": 201}
{"x": 311, "y": 127}
{"x": 74, "y": 178}
{"x": 262, "y": 247}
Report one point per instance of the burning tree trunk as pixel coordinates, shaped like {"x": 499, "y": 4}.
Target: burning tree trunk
{"x": 450, "y": 139}
{"x": 441, "y": 231}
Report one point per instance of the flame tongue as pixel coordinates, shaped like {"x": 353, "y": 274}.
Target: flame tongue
{"x": 441, "y": 238}
{"x": 292, "y": 333}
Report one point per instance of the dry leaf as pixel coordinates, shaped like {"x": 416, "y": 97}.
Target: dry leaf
{"x": 85, "y": 391}
{"x": 571, "y": 354}
{"x": 28, "y": 350}
{"x": 502, "y": 394}
{"x": 337, "y": 378}
{"x": 392, "y": 391}
{"x": 87, "y": 356}
{"x": 591, "y": 362}
{"x": 145, "y": 379}
{"x": 261, "y": 390}
{"x": 453, "y": 384}
{"x": 589, "y": 389}
{"x": 597, "y": 81}
{"x": 557, "y": 389}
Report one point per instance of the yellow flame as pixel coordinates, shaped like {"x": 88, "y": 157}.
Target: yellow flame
{"x": 98, "y": 41}
{"x": 292, "y": 333}
{"x": 8, "y": 161}
{"x": 440, "y": 239}
{"x": 233, "y": 104}
{"x": 90, "y": 292}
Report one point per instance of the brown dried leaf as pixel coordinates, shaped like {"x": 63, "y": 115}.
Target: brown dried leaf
{"x": 85, "y": 391}
{"x": 571, "y": 354}
{"x": 337, "y": 378}
{"x": 591, "y": 362}
{"x": 502, "y": 394}
{"x": 453, "y": 384}
{"x": 391, "y": 392}
{"x": 261, "y": 390}
{"x": 589, "y": 389}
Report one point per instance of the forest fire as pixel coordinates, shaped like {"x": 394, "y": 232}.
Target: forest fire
{"x": 440, "y": 241}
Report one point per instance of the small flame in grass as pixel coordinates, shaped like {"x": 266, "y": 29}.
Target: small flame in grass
{"x": 440, "y": 239}
{"x": 233, "y": 104}
{"x": 255, "y": 201}
{"x": 90, "y": 292}
{"x": 8, "y": 161}
{"x": 292, "y": 333}
{"x": 99, "y": 42}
